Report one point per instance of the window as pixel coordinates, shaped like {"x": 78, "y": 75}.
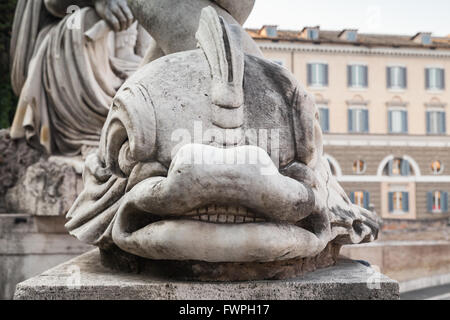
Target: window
{"x": 359, "y": 167}
{"x": 396, "y": 78}
{"x": 361, "y": 198}
{"x": 435, "y": 79}
{"x": 436, "y": 122}
{"x": 398, "y": 202}
{"x": 318, "y": 74}
{"x": 437, "y": 202}
{"x": 357, "y": 76}
{"x": 436, "y": 167}
{"x": 358, "y": 120}
{"x": 324, "y": 118}
{"x": 352, "y": 35}
{"x": 313, "y": 34}
{"x": 398, "y": 167}
{"x": 398, "y": 121}
{"x": 271, "y": 31}
{"x": 426, "y": 39}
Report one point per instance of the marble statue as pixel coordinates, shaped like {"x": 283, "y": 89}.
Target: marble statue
{"x": 69, "y": 58}
{"x": 210, "y": 164}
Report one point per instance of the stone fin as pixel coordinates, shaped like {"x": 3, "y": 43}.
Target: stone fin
{"x": 222, "y": 46}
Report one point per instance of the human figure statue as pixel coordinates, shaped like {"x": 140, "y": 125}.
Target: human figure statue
{"x": 69, "y": 58}
{"x": 67, "y": 68}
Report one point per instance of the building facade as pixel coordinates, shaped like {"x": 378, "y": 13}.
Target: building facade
{"x": 383, "y": 103}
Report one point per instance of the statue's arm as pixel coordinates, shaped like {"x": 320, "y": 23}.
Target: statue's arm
{"x": 115, "y": 12}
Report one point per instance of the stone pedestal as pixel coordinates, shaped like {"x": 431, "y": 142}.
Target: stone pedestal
{"x": 85, "y": 278}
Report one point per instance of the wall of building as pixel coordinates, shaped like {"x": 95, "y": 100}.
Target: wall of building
{"x": 377, "y": 95}
{"x": 31, "y": 245}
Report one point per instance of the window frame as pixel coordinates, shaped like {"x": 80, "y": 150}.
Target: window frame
{"x": 441, "y": 127}
{"x": 314, "y": 72}
{"x": 358, "y": 171}
{"x": 437, "y": 78}
{"x": 364, "y": 126}
{"x": 404, "y": 200}
{"x": 364, "y": 85}
{"x": 394, "y": 83}
{"x": 436, "y": 173}
{"x": 404, "y": 118}
{"x": 432, "y": 202}
{"x": 321, "y": 107}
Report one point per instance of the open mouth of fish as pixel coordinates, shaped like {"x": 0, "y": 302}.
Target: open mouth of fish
{"x": 218, "y": 212}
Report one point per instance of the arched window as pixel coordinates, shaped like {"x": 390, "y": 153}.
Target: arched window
{"x": 398, "y": 167}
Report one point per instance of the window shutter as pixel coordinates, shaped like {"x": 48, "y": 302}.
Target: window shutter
{"x": 366, "y": 120}
{"x": 405, "y": 121}
{"x": 349, "y": 76}
{"x": 326, "y": 120}
{"x": 444, "y": 202}
{"x": 366, "y": 76}
{"x": 388, "y": 77}
{"x": 430, "y": 202}
{"x": 405, "y": 77}
{"x": 366, "y": 200}
{"x": 390, "y": 165}
{"x": 442, "y": 74}
{"x": 405, "y": 201}
{"x": 390, "y": 121}
{"x": 309, "y": 74}
{"x": 350, "y": 120}
{"x": 391, "y": 201}
{"x": 352, "y": 197}
{"x": 427, "y": 78}
{"x": 443, "y": 124}
{"x": 326, "y": 74}
{"x": 405, "y": 168}
{"x": 428, "y": 122}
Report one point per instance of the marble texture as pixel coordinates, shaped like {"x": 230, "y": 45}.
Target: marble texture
{"x": 347, "y": 280}
{"x": 214, "y": 155}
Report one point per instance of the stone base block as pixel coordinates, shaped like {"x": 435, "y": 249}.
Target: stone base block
{"x": 85, "y": 278}
{"x": 29, "y": 245}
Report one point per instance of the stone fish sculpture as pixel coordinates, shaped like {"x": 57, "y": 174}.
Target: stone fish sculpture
{"x": 156, "y": 200}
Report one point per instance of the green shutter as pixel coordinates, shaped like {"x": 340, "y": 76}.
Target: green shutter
{"x": 391, "y": 201}
{"x": 430, "y": 202}
{"x": 444, "y": 196}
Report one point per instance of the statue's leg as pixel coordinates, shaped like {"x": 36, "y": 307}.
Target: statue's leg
{"x": 173, "y": 23}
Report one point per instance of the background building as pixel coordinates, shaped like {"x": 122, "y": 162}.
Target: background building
{"x": 383, "y": 103}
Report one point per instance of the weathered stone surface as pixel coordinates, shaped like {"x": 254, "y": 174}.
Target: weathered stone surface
{"x": 345, "y": 281}
{"x": 15, "y": 157}
{"x": 161, "y": 190}
{"x": 119, "y": 260}
{"x": 79, "y": 62}
{"x": 29, "y": 245}
{"x": 48, "y": 187}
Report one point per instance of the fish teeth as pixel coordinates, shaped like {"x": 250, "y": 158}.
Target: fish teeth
{"x": 224, "y": 214}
